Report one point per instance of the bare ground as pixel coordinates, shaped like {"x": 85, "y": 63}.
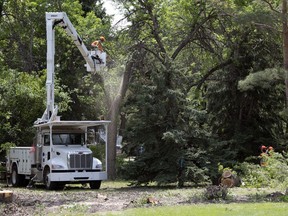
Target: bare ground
{"x": 80, "y": 199}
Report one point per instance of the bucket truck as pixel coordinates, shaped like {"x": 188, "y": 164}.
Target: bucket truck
{"x": 60, "y": 154}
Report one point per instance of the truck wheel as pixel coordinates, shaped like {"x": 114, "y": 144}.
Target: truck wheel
{"x": 17, "y": 180}
{"x": 60, "y": 186}
{"x": 95, "y": 184}
{"x": 48, "y": 183}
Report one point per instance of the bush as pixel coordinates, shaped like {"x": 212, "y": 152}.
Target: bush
{"x": 120, "y": 166}
{"x": 4, "y": 148}
{"x": 98, "y": 151}
{"x": 216, "y": 192}
{"x": 274, "y": 174}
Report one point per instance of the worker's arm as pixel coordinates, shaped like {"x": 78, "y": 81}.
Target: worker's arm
{"x": 94, "y": 44}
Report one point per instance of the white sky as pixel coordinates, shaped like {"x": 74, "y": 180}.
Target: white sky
{"x": 111, "y": 9}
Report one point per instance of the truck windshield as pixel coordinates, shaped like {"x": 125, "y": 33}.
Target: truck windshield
{"x": 68, "y": 139}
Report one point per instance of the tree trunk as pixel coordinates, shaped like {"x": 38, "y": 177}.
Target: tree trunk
{"x": 6, "y": 196}
{"x": 115, "y": 107}
{"x": 112, "y": 137}
{"x": 285, "y": 46}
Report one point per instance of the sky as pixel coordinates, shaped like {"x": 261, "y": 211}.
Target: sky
{"x": 111, "y": 9}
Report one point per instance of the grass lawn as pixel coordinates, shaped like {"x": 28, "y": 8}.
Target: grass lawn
{"x": 234, "y": 209}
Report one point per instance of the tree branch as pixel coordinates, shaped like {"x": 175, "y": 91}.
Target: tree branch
{"x": 265, "y": 26}
{"x": 194, "y": 29}
{"x": 209, "y": 73}
{"x": 155, "y": 27}
{"x": 271, "y": 6}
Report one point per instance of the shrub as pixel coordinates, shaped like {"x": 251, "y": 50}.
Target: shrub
{"x": 274, "y": 174}
{"x": 98, "y": 151}
{"x": 216, "y": 192}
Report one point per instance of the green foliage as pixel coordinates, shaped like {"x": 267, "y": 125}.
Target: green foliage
{"x": 274, "y": 174}
{"x": 262, "y": 79}
{"x": 243, "y": 2}
{"x": 196, "y": 169}
{"x": 284, "y": 198}
{"x": 215, "y": 122}
{"x": 95, "y": 6}
{"x": 159, "y": 125}
{"x": 22, "y": 39}
{"x": 121, "y": 162}
{"x": 222, "y": 169}
{"x": 98, "y": 151}
{"x": 215, "y": 192}
{"x": 21, "y": 102}
{"x": 245, "y": 119}
{"x": 6, "y": 146}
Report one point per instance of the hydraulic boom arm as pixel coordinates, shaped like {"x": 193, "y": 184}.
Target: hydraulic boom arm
{"x": 52, "y": 20}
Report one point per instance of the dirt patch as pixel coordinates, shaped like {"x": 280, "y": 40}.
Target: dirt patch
{"x": 38, "y": 201}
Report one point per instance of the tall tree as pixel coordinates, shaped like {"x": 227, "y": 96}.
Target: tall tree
{"x": 285, "y": 45}
{"x": 97, "y": 7}
{"x": 22, "y": 35}
{"x": 213, "y": 52}
{"x": 160, "y": 115}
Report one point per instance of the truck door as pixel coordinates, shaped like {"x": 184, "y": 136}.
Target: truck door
{"x": 38, "y": 149}
{"x": 46, "y": 149}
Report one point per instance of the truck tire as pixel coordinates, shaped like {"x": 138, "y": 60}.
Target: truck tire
{"x": 49, "y": 185}
{"x": 17, "y": 180}
{"x": 95, "y": 184}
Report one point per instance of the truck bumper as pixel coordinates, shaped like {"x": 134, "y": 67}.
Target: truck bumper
{"x": 77, "y": 176}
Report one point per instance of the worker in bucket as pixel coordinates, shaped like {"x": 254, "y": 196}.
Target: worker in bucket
{"x": 98, "y": 47}
{"x": 98, "y": 43}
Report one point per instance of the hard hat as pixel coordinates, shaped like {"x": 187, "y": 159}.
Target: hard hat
{"x": 102, "y": 38}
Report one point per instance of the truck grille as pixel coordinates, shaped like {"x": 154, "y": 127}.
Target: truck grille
{"x": 80, "y": 161}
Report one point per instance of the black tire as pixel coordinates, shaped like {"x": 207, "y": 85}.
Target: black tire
{"x": 60, "y": 186}
{"x": 17, "y": 180}
{"x": 95, "y": 184}
{"x": 24, "y": 182}
{"x": 49, "y": 185}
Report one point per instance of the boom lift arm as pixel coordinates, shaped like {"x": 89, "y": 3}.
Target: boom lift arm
{"x": 52, "y": 20}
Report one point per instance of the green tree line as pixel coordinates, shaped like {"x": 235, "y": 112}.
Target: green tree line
{"x": 189, "y": 84}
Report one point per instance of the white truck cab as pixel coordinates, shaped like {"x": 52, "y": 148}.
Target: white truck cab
{"x": 59, "y": 156}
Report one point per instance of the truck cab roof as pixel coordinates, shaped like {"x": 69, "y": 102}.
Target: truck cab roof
{"x": 71, "y": 124}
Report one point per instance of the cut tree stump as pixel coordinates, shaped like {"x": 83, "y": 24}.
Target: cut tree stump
{"x": 6, "y": 196}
